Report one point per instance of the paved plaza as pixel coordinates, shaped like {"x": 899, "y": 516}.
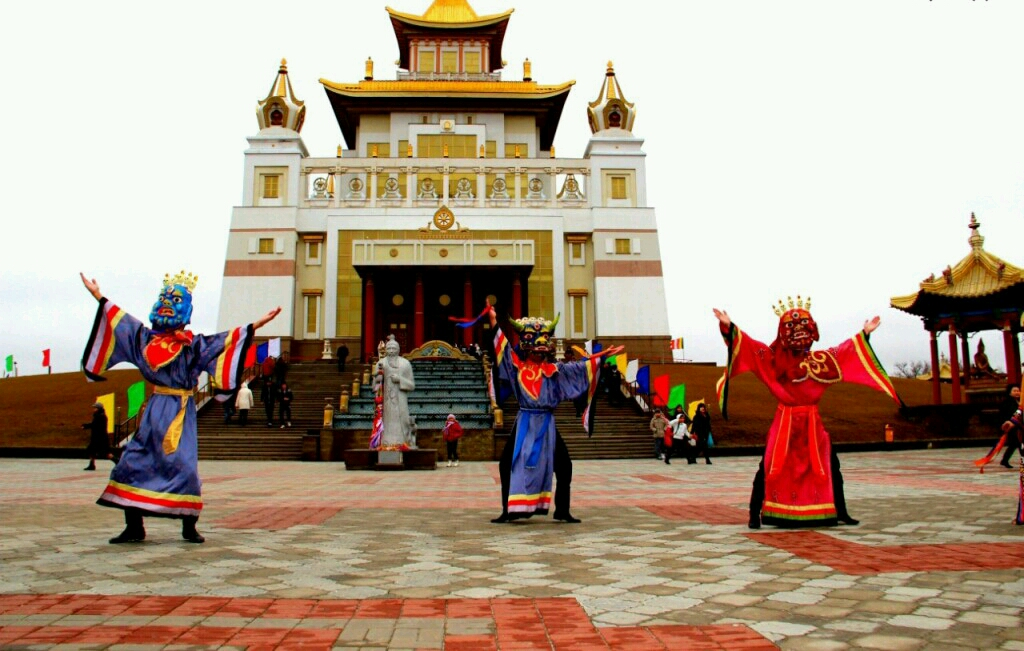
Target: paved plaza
{"x": 309, "y": 555}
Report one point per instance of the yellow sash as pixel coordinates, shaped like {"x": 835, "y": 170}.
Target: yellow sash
{"x": 173, "y": 434}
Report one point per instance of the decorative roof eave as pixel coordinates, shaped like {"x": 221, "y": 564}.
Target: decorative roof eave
{"x": 545, "y": 105}
{"x": 454, "y": 20}
{"x": 425, "y": 88}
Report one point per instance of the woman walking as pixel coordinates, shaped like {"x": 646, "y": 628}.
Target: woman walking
{"x": 701, "y": 428}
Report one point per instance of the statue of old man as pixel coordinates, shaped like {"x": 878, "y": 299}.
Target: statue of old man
{"x": 395, "y": 380}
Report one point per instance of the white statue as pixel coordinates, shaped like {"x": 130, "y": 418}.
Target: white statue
{"x": 394, "y": 372}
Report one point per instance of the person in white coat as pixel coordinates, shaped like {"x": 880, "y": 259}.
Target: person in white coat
{"x": 243, "y": 403}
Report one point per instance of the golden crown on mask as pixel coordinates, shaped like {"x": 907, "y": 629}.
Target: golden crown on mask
{"x": 187, "y": 280}
{"x": 799, "y": 304}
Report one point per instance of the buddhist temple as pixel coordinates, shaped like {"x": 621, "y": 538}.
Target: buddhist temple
{"x": 980, "y": 292}
{"x": 447, "y": 192}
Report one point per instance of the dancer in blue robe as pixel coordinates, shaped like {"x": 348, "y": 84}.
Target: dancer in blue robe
{"x": 536, "y": 452}
{"x": 158, "y": 471}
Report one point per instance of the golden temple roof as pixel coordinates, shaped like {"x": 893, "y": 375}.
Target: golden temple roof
{"x": 394, "y": 88}
{"x": 455, "y": 14}
{"x": 979, "y": 274}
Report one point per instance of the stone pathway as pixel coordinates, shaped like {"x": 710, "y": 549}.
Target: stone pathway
{"x": 308, "y": 555}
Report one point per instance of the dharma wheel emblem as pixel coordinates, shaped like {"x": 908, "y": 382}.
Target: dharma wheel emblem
{"x": 443, "y": 218}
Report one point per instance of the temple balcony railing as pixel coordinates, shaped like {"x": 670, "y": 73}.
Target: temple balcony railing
{"x": 432, "y": 182}
{"x": 404, "y": 75}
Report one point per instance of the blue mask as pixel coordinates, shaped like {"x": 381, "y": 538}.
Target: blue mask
{"x": 173, "y": 309}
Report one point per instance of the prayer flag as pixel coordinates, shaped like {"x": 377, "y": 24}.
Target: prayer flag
{"x": 46, "y": 357}
{"x": 108, "y": 406}
{"x": 595, "y": 348}
{"x": 274, "y": 347}
{"x": 676, "y": 344}
{"x": 262, "y": 352}
{"x": 631, "y": 370}
{"x": 590, "y": 342}
{"x": 643, "y": 380}
{"x": 661, "y": 390}
{"x": 10, "y": 363}
{"x": 677, "y": 396}
{"x": 691, "y": 409}
{"x": 250, "y": 357}
{"x": 622, "y": 362}
{"x": 136, "y": 396}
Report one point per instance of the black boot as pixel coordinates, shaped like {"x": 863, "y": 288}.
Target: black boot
{"x": 846, "y": 519}
{"x": 567, "y": 518}
{"x": 133, "y": 530}
{"x": 501, "y": 519}
{"x": 91, "y": 466}
{"x": 755, "y": 521}
{"x": 188, "y": 529}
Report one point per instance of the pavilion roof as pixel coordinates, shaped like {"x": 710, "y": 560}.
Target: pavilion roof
{"x": 980, "y": 281}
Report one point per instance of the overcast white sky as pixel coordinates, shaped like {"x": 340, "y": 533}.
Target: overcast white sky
{"x": 823, "y": 147}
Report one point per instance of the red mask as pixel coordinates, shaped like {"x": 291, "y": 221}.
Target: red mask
{"x": 797, "y": 330}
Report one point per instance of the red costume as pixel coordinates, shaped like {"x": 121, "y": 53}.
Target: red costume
{"x": 798, "y": 473}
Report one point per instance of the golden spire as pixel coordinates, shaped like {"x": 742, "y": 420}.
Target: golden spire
{"x": 610, "y": 110}
{"x": 450, "y": 11}
{"x": 280, "y": 108}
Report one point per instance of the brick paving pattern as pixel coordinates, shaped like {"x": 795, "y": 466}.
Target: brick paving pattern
{"x": 310, "y": 556}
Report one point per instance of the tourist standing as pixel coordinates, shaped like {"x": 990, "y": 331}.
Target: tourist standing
{"x": 285, "y": 396}
{"x": 244, "y": 403}
{"x": 99, "y": 439}
{"x": 658, "y": 425}
{"x": 700, "y": 428}
{"x": 268, "y": 396}
{"x": 451, "y": 433}
{"x": 342, "y": 357}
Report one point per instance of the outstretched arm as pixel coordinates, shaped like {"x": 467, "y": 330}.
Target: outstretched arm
{"x": 92, "y": 286}
{"x": 266, "y": 318}
{"x": 871, "y": 325}
{"x": 723, "y": 317}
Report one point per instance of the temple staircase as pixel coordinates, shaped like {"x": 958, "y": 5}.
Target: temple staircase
{"x": 311, "y": 383}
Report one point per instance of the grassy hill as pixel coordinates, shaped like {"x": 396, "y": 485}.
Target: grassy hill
{"x": 47, "y": 411}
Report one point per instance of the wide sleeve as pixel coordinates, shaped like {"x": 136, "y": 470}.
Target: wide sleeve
{"x": 116, "y": 337}
{"x": 859, "y": 365}
{"x": 503, "y": 352}
{"x": 406, "y": 381}
{"x": 223, "y": 356}
{"x": 576, "y": 379}
{"x": 744, "y": 354}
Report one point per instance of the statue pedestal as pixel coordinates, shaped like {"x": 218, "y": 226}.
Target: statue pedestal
{"x": 362, "y": 459}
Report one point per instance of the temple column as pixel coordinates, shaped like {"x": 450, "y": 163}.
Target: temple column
{"x": 467, "y": 309}
{"x": 517, "y": 301}
{"x": 1012, "y": 368}
{"x": 369, "y": 328}
{"x": 417, "y": 317}
{"x": 966, "y": 357}
{"x": 936, "y": 380}
{"x": 954, "y": 366}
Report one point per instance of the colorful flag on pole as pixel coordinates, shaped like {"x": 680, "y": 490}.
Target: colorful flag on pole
{"x": 10, "y": 363}
{"x": 590, "y": 342}
{"x": 262, "y": 352}
{"x": 136, "y": 396}
{"x": 274, "y": 347}
{"x": 595, "y": 348}
{"x": 622, "y": 362}
{"x": 643, "y": 380}
{"x": 691, "y": 409}
{"x": 108, "y": 406}
{"x": 250, "y": 357}
{"x": 677, "y": 396}
{"x": 632, "y": 368}
{"x": 46, "y": 357}
{"x": 661, "y": 390}
{"x": 676, "y": 344}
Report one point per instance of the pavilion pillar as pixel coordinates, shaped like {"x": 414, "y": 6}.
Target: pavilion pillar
{"x": 467, "y": 309}
{"x": 369, "y": 328}
{"x": 936, "y": 369}
{"x": 1010, "y": 349}
{"x": 954, "y": 366}
{"x": 417, "y": 317}
{"x": 966, "y": 358}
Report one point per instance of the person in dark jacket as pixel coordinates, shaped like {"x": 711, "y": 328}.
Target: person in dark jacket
{"x": 268, "y": 396}
{"x": 99, "y": 441}
{"x": 285, "y": 396}
{"x": 701, "y": 428}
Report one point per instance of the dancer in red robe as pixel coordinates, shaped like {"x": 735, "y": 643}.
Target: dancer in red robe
{"x": 798, "y": 483}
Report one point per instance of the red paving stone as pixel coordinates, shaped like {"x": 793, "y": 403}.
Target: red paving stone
{"x": 277, "y": 519}
{"x": 519, "y": 624}
{"x": 695, "y": 511}
{"x": 657, "y": 479}
{"x": 858, "y": 559}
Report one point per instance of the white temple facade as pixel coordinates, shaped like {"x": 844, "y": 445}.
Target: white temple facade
{"x": 448, "y": 193}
